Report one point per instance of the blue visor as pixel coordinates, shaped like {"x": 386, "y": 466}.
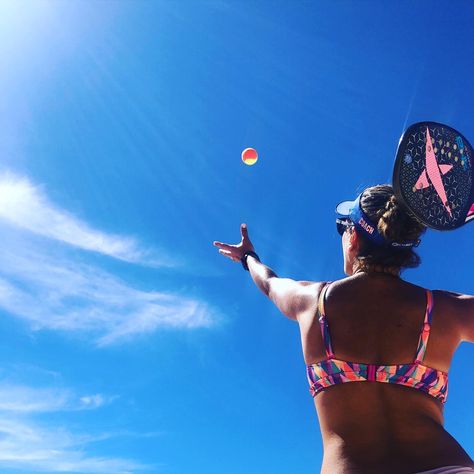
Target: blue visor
{"x": 353, "y": 211}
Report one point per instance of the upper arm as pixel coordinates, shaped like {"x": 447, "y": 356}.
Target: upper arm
{"x": 462, "y": 309}
{"x": 292, "y": 297}
{"x": 466, "y": 317}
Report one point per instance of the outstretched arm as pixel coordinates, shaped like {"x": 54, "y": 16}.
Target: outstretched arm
{"x": 260, "y": 273}
{"x": 288, "y": 295}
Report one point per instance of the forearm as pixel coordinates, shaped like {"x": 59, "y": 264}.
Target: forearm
{"x": 260, "y": 274}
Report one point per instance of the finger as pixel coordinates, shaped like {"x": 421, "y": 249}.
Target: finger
{"x": 229, "y": 254}
{"x": 244, "y": 231}
{"x": 222, "y": 245}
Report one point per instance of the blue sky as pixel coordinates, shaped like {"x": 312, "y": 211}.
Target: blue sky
{"x": 129, "y": 344}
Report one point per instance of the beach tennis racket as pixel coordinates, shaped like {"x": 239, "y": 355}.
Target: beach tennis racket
{"x": 433, "y": 175}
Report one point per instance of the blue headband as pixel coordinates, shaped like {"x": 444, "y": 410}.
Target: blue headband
{"x": 353, "y": 211}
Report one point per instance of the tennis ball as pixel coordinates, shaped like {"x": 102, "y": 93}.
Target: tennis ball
{"x": 249, "y": 156}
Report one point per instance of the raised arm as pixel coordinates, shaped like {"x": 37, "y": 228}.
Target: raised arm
{"x": 291, "y": 297}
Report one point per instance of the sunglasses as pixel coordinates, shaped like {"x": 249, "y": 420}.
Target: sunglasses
{"x": 342, "y": 225}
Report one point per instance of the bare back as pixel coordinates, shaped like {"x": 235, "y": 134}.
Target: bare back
{"x": 376, "y": 427}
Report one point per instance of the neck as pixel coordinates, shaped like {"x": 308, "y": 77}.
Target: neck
{"x": 379, "y": 269}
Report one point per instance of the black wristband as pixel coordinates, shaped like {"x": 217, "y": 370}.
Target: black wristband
{"x": 244, "y": 259}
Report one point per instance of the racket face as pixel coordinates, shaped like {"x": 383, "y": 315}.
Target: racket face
{"x": 433, "y": 175}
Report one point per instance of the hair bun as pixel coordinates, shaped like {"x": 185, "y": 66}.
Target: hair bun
{"x": 391, "y": 221}
{"x": 395, "y": 223}
{"x": 392, "y": 202}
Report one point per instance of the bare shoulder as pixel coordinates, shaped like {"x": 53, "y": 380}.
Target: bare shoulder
{"x": 458, "y": 301}
{"x": 293, "y": 298}
{"x": 308, "y": 298}
{"x": 459, "y": 307}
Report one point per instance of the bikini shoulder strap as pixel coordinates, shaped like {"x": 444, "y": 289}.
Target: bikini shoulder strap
{"x": 425, "y": 331}
{"x": 323, "y": 322}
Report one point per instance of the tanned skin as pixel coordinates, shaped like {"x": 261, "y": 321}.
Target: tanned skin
{"x": 374, "y": 318}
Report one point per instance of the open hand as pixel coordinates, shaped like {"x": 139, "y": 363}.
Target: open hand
{"x": 236, "y": 252}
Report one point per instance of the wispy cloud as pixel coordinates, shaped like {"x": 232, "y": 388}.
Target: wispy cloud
{"x": 24, "y": 399}
{"x": 25, "y": 205}
{"x": 52, "y": 288}
{"x": 92, "y": 401}
{"x": 54, "y": 292}
{"x": 28, "y": 444}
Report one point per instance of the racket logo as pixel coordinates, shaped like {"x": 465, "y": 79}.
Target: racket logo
{"x": 470, "y": 214}
{"x": 432, "y": 173}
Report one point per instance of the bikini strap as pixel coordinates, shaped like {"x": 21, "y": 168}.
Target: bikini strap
{"x": 324, "y": 324}
{"x": 425, "y": 331}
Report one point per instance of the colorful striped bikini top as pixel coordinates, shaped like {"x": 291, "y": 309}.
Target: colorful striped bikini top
{"x": 333, "y": 371}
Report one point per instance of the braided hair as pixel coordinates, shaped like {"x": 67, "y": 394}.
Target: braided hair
{"x": 395, "y": 224}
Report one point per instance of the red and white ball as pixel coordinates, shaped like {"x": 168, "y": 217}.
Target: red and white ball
{"x": 249, "y": 156}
